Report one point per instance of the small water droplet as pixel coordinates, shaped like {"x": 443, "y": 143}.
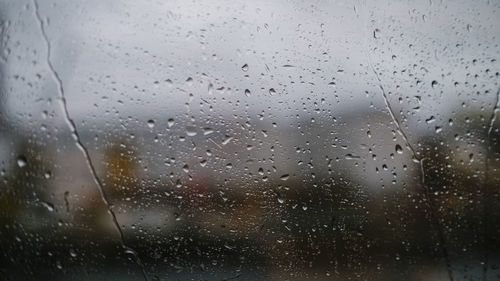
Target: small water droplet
{"x": 245, "y": 67}
{"x": 49, "y": 206}
{"x": 272, "y": 91}
{"x": 21, "y": 161}
{"x": 191, "y": 131}
{"x": 350, "y": 156}
{"x": 207, "y": 131}
{"x": 210, "y": 89}
{"x": 170, "y": 122}
{"x": 151, "y": 123}
{"x": 399, "y": 149}
{"x": 434, "y": 83}
{"x": 284, "y": 177}
{"x": 72, "y": 253}
{"x": 247, "y": 92}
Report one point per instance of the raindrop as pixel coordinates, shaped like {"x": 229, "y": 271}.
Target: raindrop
{"x": 170, "y": 122}
{"x": 350, "y": 156}
{"x": 245, "y": 67}
{"x": 272, "y": 91}
{"x": 21, "y": 161}
{"x": 49, "y": 206}
{"x": 151, "y": 123}
{"x": 399, "y": 149}
{"x": 210, "y": 89}
{"x": 247, "y": 92}
{"x": 191, "y": 131}
{"x": 207, "y": 131}
{"x": 72, "y": 253}
{"x": 284, "y": 177}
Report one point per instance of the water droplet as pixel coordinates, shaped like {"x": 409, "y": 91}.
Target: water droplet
{"x": 151, "y": 123}
{"x": 247, "y": 92}
{"x": 272, "y": 91}
{"x": 210, "y": 89}
{"x": 284, "y": 177}
{"x": 207, "y": 131}
{"x": 434, "y": 83}
{"x": 170, "y": 122}
{"x": 245, "y": 67}
{"x": 72, "y": 253}
{"x": 49, "y": 206}
{"x": 48, "y": 175}
{"x": 399, "y": 149}
{"x": 21, "y": 161}
{"x": 191, "y": 131}
{"x": 227, "y": 140}
{"x": 350, "y": 156}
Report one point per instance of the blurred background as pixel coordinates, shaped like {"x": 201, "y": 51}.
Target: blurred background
{"x": 249, "y": 140}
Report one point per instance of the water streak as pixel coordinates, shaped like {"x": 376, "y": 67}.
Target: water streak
{"x": 74, "y": 132}
{"x": 420, "y": 161}
{"x": 486, "y": 192}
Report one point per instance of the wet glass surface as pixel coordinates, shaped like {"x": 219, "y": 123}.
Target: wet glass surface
{"x": 249, "y": 140}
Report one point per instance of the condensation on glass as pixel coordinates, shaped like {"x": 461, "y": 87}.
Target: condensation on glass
{"x": 249, "y": 140}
